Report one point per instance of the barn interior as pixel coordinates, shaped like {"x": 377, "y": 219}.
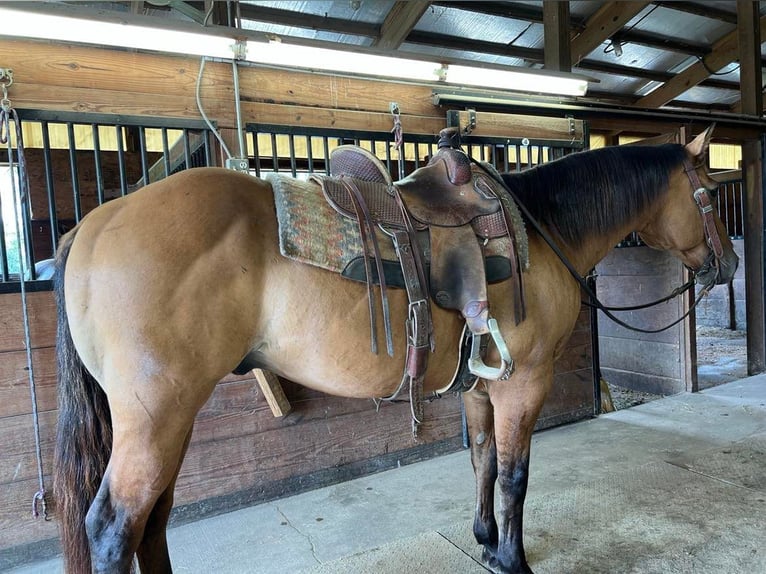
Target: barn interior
{"x": 102, "y": 116}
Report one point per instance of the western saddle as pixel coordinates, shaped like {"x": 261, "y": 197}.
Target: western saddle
{"x": 438, "y": 218}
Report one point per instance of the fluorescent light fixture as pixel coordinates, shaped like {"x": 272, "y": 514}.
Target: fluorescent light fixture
{"x": 328, "y": 60}
{"x": 517, "y": 81}
{"x": 81, "y": 30}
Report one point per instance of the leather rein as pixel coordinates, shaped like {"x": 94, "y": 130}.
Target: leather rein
{"x": 705, "y": 205}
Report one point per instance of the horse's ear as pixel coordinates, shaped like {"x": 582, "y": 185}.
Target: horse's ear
{"x": 699, "y": 145}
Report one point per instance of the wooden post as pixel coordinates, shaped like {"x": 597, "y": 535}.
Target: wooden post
{"x": 272, "y": 391}
{"x": 688, "y": 330}
{"x": 748, "y": 30}
{"x": 557, "y": 51}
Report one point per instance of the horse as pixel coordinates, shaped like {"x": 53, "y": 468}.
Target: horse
{"x": 161, "y": 293}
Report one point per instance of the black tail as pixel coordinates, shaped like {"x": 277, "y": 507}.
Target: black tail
{"x": 83, "y": 436}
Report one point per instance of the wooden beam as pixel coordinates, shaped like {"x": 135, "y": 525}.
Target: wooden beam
{"x": 749, "y": 43}
{"x": 607, "y": 20}
{"x": 725, "y": 51}
{"x": 399, "y": 22}
{"x": 556, "y": 36}
{"x": 273, "y": 393}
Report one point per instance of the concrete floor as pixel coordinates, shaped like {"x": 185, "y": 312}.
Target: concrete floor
{"x": 677, "y": 485}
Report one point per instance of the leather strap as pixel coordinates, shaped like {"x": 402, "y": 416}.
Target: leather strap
{"x": 367, "y": 232}
{"x": 419, "y": 325}
{"x": 702, "y": 198}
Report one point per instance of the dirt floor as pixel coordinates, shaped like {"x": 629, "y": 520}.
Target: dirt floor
{"x": 721, "y": 358}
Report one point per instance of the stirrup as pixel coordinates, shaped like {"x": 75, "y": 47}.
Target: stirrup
{"x": 476, "y": 363}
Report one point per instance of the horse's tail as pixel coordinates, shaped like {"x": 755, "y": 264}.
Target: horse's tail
{"x": 83, "y": 436}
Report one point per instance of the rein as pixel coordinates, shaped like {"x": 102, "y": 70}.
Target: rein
{"x": 702, "y": 199}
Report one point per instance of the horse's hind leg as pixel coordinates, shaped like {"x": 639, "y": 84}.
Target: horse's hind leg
{"x": 146, "y": 454}
{"x": 153, "y": 555}
{"x": 479, "y": 413}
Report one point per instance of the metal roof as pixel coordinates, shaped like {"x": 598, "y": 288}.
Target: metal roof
{"x": 657, "y": 41}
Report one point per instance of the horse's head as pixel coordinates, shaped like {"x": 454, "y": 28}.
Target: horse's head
{"x": 687, "y": 223}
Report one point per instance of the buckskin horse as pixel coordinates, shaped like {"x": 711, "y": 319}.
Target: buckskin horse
{"x": 165, "y": 291}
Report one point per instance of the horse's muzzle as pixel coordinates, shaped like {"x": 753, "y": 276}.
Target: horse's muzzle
{"x": 717, "y": 271}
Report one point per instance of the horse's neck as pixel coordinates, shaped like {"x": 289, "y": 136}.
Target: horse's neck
{"x": 594, "y": 248}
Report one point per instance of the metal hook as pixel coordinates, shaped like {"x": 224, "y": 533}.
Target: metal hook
{"x": 6, "y": 80}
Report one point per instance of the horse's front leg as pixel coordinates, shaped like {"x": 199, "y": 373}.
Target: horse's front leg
{"x": 481, "y": 431}
{"x": 517, "y": 404}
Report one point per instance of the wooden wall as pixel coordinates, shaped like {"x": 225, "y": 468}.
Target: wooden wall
{"x": 240, "y": 453}
{"x": 647, "y": 362}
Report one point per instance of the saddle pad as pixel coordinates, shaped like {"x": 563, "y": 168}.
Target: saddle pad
{"x": 312, "y": 232}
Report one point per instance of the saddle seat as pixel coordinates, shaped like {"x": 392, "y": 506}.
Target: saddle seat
{"x": 459, "y": 207}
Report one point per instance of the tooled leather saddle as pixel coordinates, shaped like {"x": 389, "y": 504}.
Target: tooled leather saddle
{"x": 438, "y": 218}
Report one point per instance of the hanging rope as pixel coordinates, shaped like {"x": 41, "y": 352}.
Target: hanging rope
{"x": 20, "y": 196}
{"x": 398, "y": 137}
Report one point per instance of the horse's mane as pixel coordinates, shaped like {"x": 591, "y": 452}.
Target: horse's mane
{"x": 593, "y": 192}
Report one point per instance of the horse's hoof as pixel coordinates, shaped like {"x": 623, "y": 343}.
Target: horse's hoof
{"x": 489, "y": 560}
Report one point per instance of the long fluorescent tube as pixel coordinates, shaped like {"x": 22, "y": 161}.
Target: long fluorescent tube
{"x": 517, "y": 81}
{"x": 81, "y": 30}
{"x": 294, "y": 55}
{"x": 78, "y": 29}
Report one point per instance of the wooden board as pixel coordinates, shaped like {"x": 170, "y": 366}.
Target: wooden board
{"x": 42, "y": 316}
{"x": 518, "y": 126}
{"x": 650, "y": 362}
{"x": 15, "y": 395}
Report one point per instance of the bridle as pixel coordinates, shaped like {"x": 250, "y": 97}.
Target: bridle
{"x": 705, "y": 205}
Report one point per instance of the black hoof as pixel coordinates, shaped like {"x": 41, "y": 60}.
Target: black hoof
{"x": 490, "y": 560}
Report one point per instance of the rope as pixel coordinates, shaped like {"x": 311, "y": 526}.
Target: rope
{"x": 398, "y": 136}
{"x": 20, "y": 195}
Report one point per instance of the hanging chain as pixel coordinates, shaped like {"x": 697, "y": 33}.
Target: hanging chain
{"x": 20, "y": 196}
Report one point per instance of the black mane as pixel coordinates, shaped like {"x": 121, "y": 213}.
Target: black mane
{"x": 593, "y": 192}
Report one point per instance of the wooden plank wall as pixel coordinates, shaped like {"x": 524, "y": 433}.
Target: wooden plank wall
{"x": 240, "y": 454}
{"x": 650, "y": 362}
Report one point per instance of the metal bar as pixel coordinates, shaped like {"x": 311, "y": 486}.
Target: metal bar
{"x": 144, "y": 156}
{"x": 291, "y": 144}
{"x": 50, "y": 186}
{"x": 73, "y": 171}
{"x": 111, "y": 119}
{"x": 4, "y": 271}
{"x": 206, "y": 135}
{"x": 187, "y": 149}
{"x": 257, "y": 154}
{"x": 166, "y": 152}
{"x": 98, "y": 166}
{"x": 274, "y": 155}
{"x": 326, "y": 145}
{"x": 121, "y": 162}
{"x": 309, "y": 154}
{"x": 741, "y": 188}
